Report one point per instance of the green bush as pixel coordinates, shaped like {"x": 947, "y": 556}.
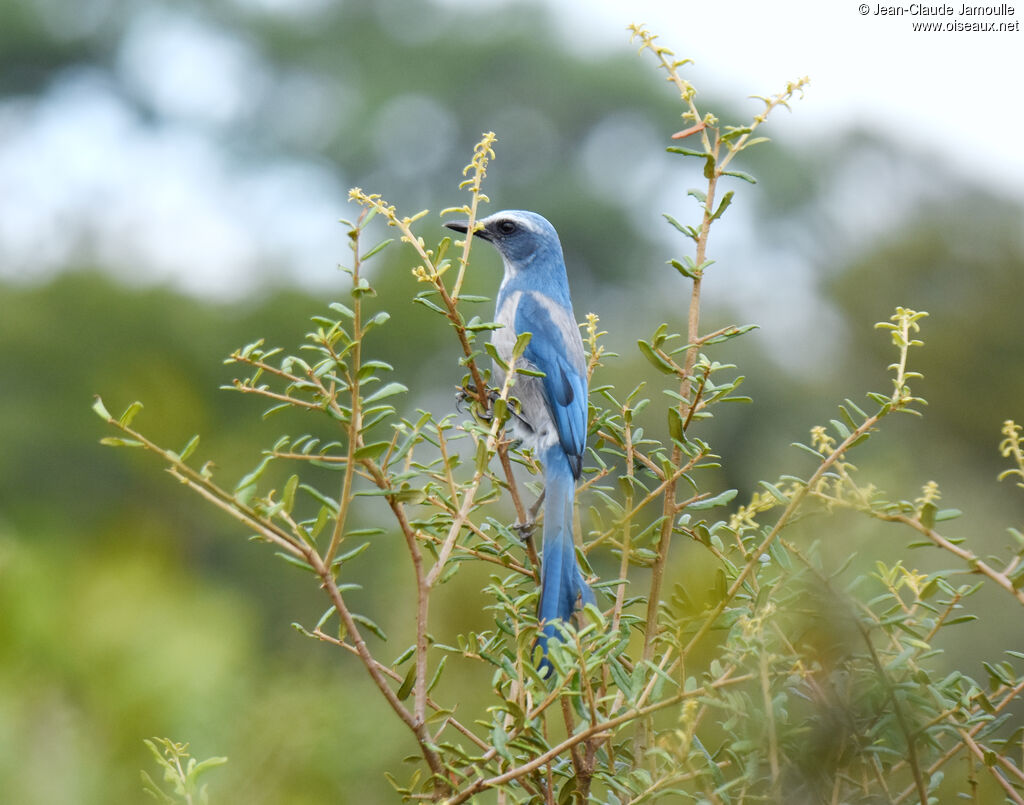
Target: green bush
{"x": 796, "y": 676}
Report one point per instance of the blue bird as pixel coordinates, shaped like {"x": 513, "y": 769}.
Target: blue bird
{"x": 534, "y": 298}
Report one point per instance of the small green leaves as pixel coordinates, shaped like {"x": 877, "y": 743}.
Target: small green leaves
{"x": 774, "y": 613}
{"x": 123, "y": 423}
{"x": 689, "y": 268}
{"x": 181, "y": 773}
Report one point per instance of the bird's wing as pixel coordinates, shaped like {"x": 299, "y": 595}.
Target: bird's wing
{"x": 555, "y": 348}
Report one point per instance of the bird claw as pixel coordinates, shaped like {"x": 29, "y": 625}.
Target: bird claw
{"x": 524, "y": 530}
{"x": 468, "y": 394}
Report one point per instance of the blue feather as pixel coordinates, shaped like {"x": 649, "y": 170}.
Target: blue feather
{"x": 534, "y": 298}
{"x": 562, "y": 583}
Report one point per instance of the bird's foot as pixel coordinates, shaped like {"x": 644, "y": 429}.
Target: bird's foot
{"x": 468, "y": 394}
{"x": 525, "y": 530}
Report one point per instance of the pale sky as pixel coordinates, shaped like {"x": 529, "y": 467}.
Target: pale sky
{"x": 957, "y": 93}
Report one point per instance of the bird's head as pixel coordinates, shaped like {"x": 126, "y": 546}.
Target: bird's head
{"x": 519, "y": 236}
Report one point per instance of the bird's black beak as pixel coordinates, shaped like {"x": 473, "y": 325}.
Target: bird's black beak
{"x": 463, "y": 226}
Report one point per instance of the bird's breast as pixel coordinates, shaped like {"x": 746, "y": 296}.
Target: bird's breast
{"x": 504, "y": 338}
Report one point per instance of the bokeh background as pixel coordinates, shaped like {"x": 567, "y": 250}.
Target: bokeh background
{"x": 171, "y": 179}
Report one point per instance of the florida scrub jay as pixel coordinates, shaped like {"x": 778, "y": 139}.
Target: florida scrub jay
{"x": 534, "y": 298}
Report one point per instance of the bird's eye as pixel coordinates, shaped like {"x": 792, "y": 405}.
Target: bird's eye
{"x": 507, "y": 227}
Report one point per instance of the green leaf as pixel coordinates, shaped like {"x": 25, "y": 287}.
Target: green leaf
{"x": 129, "y": 414}
{"x": 437, "y": 674}
{"x": 117, "y": 441}
{"x": 840, "y": 428}
{"x": 689, "y": 231}
{"x": 709, "y": 503}
{"x": 927, "y": 515}
{"x": 493, "y": 352}
{"x": 348, "y": 556}
{"x": 337, "y": 307}
{"x": 622, "y": 679}
{"x": 499, "y": 740}
{"x": 369, "y": 624}
{"x": 476, "y": 324}
{"x": 380, "y": 246}
{"x": 746, "y": 177}
{"x": 686, "y": 271}
{"x": 688, "y": 152}
{"x": 295, "y": 561}
{"x": 709, "y": 166}
{"x": 189, "y": 448}
{"x": 775, "y": 492}
{"x": 406, "y": 687}
{"x": 522, "y": 342}
{"x": 250, "y": 479}
{"x": 807, "y": 448}
{"x": 723, "y": 206}
{"x": 288, "y": 496}
{"x": 371, "y": 451}
{"x": 567, "y": 794}
{"x": 101, "y": 409}
{"x": 675, "y": 424}
{"x": 733, "y": 332}
{"x": 362, "y": 288}
{"x": 654, "y": 359}
{"x": 320, "y": 497}
{"x": 410, "y": 495}
{"x": 378, "y": 319}
{"x": 154, "y": 791}
{"x": 390, "y": 390}
{"x": 205, "y": 765}
{"x": 997, "y": 675}
{"x": 422, "y": 299}
{"x": 735, "y": 132}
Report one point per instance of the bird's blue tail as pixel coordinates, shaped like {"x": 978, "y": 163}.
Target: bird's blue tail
{"x": 562, "y": 583}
